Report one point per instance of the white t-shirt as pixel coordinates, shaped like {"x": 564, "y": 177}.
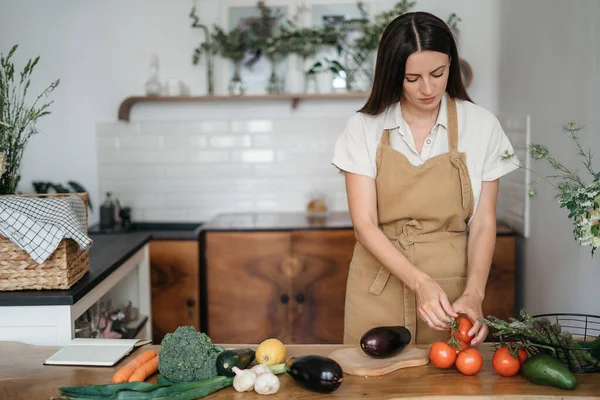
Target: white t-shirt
{"x": 480, "y": 136}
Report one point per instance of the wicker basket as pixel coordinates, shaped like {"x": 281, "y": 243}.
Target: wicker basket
{"x": 68, "y": 263}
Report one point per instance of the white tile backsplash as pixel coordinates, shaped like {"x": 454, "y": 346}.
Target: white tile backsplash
{"x": 253, "y": 156}
{"x": 192, "y": 170}
{"x": 226, "y": 141}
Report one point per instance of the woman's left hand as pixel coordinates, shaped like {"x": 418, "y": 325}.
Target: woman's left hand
{"x": 471, "y": 306}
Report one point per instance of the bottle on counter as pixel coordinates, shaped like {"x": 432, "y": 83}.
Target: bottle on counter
{"x": 107, "y": 212}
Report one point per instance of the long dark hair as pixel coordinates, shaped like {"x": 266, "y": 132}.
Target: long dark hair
{"x": 405, "y": 35}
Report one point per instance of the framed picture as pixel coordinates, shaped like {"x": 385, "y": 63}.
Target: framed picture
{"x": 255, "y": 71}
{"x": 323, "y": 13}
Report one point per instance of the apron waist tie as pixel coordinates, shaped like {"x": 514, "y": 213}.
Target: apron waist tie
{"x": 405, "y": 241}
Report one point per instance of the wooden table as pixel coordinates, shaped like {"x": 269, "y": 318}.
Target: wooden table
{"x": 23, "y": 377}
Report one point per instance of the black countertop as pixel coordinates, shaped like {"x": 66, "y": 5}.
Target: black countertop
{"x": 159, "y": 230}
{"x": 110, "y": 249}
{"x": 294, "y": 221}
{"x": 277, "y": 221}
{"x": 107, "y": 253}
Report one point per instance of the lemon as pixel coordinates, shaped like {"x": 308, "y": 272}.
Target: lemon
{"x": 270, "y": 352}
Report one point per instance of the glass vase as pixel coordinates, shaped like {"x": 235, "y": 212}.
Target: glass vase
{"x": 274, "y": 85}
{"x": 236, "y": 85}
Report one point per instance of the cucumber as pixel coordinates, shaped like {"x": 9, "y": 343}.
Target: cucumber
{"x": 234, "y": 358}
{"x": 543, "y": 369}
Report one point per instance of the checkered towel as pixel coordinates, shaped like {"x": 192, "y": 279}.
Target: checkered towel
{"x": 37, "y": 225}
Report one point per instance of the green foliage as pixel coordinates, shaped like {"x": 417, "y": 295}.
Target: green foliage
{"x": 572, "y": 191}
{"x": 233, "y": 44}
{"x": 17, "y": 118}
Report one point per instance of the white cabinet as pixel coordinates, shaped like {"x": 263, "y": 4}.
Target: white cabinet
{"x": 55, "y": 325}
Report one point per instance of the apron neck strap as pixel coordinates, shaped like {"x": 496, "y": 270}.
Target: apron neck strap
{"x": 385, "y": 138}
{"x": 452, "y": 124}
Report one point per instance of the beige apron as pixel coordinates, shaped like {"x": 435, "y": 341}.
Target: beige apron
{"x": 424, "y": 211}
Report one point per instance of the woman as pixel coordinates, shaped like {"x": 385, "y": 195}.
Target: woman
{"x": 421, "y": 164}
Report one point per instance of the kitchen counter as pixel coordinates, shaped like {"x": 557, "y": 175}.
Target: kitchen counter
{"x": 107, "y": 253}
{"x": 109, "y": 250}
{"x": 158, "y": 230}
{"x": 278, "y": 221}
{"x": 23, "y": 377}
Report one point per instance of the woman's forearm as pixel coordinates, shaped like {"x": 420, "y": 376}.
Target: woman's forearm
{"x": 481, "y": 243}
{"x": 376, "y": 243}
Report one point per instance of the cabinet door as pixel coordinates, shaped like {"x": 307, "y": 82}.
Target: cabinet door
{"x": 174, "y": 279}
{"x": 247, "y": 286}
{"x": 319, "y": 283}
{"x": 500, "y": 290}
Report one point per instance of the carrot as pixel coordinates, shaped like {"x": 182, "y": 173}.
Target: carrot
{"x": 125, "y": 372}
{"x": 145, "y": 370}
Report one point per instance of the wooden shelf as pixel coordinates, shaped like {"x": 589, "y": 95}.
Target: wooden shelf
{"x": 128, "y": 103}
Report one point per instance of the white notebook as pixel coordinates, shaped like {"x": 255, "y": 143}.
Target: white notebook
{"x": 95, "y": 352}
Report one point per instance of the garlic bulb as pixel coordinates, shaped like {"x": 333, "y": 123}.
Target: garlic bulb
{"x": 244, "y": 379}
{"x": 261, "y": 369}
{"x": 267, "y": 383}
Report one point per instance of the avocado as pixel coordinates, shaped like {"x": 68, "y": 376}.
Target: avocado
{"x": 543, "y": 369}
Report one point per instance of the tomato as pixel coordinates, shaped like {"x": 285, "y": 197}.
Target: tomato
{"x": 521, "y": 352}
{"x": 462, "y": 332}
{"x": 463, "y": 346}
{"x": 442, "y": 355}
{"x": 469, "y": 362}
{"x": 504, "y": 363}
{"x": 523, "y": 355}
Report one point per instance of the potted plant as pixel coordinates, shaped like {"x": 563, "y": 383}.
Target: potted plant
{"x": 233, "y": 45}
{"x": 206, "y": 48}
{"x": 18, "y": 118}
{"x": 579, "y": 196}
{"x": 322, "y": 73}
{"x": 265, "y": 39}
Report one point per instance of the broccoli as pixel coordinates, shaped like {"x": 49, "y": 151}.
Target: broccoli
{"x": 187, "y": 355}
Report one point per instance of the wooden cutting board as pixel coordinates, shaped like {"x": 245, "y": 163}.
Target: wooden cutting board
{"x": 355, "y": 362}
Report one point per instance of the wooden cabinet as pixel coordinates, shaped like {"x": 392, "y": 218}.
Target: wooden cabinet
{"x": 292, "y": 284}
{"x": 174, "y": 266}
{"x": 285, "y": 284}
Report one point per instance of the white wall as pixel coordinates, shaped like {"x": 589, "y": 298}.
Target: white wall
{"x": 550, "y": 69}
{"x": 101, "y": 51}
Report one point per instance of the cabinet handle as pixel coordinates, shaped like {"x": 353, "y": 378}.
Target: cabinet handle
{"x": 284, "y": 298}
{"x": 300, "y": 298}
{"x": 191, "y": 302}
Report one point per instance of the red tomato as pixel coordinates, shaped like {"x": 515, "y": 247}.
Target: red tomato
{"x": 521, "y": 352}
{"x": 504, "y": 363}
{"x": 469, "y": 362}
{"x": 442, "y": 355}
{"x": 464, "y": 326}
{"x": 463, "y": 346}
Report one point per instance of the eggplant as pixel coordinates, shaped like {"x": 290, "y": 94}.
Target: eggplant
{"x": 384, "y": 341}
{"x": 315, "y": 373}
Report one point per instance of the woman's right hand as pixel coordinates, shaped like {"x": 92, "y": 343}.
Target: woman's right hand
{"x": 433, "y": 304}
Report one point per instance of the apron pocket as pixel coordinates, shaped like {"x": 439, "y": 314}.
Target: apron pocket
{"x": 454, "y": 287}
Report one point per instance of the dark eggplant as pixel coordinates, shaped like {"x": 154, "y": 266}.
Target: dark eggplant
{"x": 384, "y": 341}
{"x": 316, "y": 373}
